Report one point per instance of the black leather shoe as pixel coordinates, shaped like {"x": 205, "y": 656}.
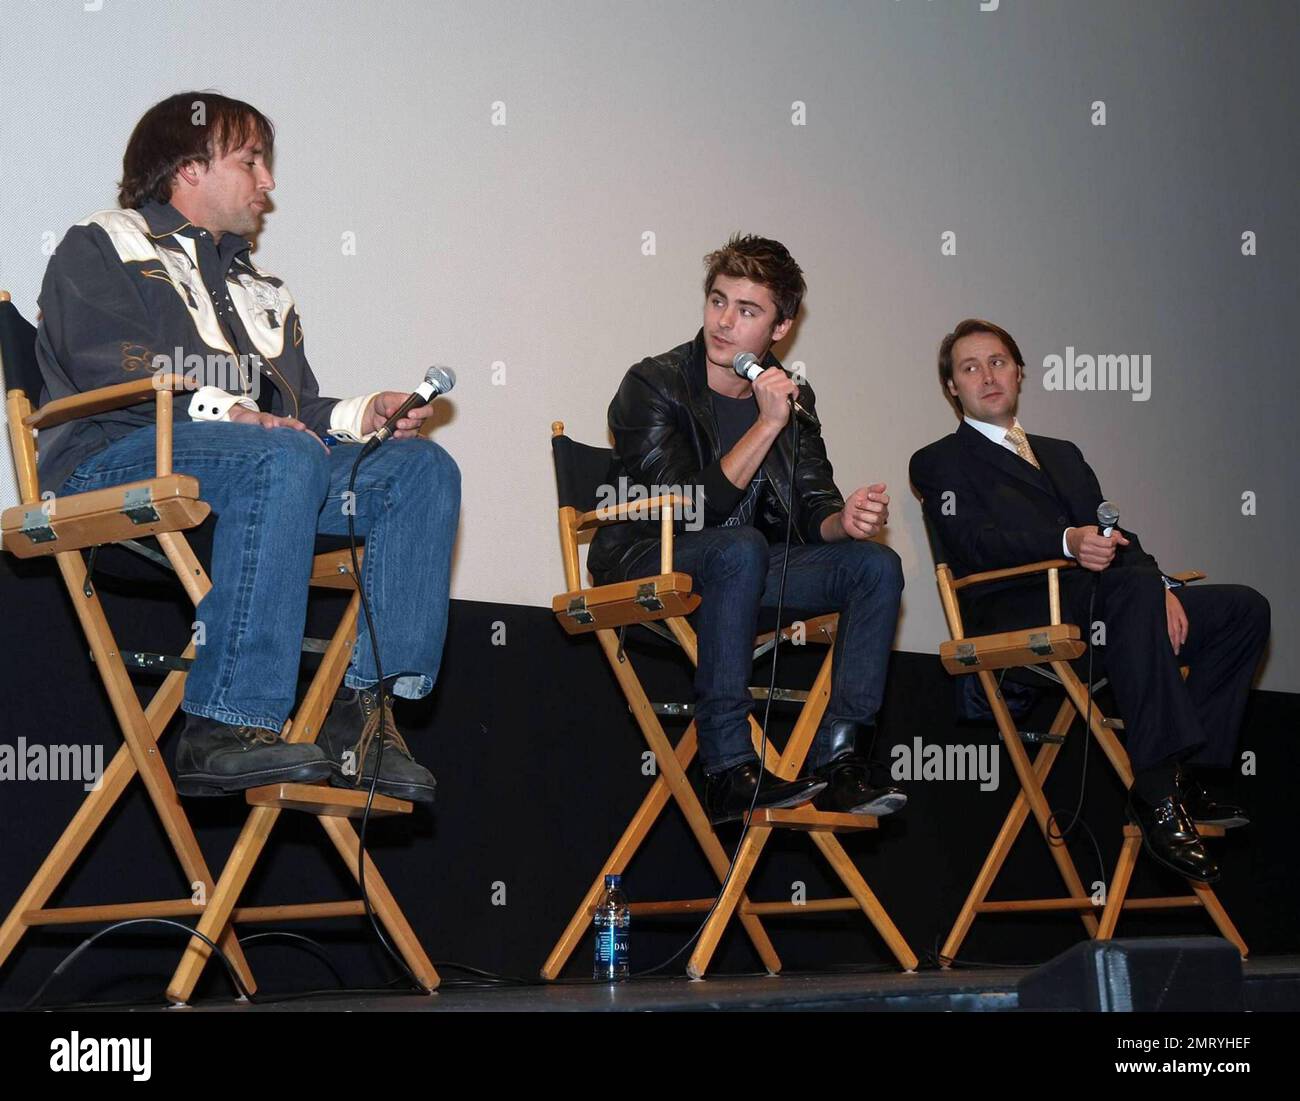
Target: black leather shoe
{"x": 348, "y": 740}
{"x": 215, "y": 758}
{"x": 849, "y": 789}
{"x": 1169, "y": 835}
{"x": 847, "y": 773}
{"x": 728, "y": 794}
{"x": 1205, "y": 811}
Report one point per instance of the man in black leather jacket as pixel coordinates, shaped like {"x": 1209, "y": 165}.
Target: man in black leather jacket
{"x": 686, "y": 419}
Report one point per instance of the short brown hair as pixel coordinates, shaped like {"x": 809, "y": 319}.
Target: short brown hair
{"x": 966, "y": 328}
{"x": 184, "y": 128}
{"x": 762, "y": 261}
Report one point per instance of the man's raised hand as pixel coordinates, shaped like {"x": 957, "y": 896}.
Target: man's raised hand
{"x": 384, "y": 405}
{"x": 773, "y": 390}
{"x": 866, "y": 511}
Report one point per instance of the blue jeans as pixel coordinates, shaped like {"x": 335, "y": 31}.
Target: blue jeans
{"x": 736, "y": 572}
{"x": 273, "y": 490}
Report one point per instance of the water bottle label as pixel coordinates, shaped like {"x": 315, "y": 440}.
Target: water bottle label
{"x": 611, "y": 946}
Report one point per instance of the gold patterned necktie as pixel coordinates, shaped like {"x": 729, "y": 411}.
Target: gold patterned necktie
{"x": 1017, "y": 438}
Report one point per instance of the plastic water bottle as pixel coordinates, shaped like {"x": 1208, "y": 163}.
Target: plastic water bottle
{"x": 611, "y": 921}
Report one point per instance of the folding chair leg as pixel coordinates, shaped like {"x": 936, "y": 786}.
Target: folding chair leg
{"x": 1219, "y": 915}
{"x": 347, "y": 842}
{"x": 1011, "y": 827}
{"x": 865, "y": 898}
{"x": 786, "y": 766}
{"x": 671, "y": 781}
{"x": 221, "y": 901}
{"x": 1077, "y": 693}
{"x": 733, "y": 893}
{"x": 1032, "y": 787}
{"x": 1119, "y": 883}
{"x": 140, "y": 729}
{"x": 638, "y": 828}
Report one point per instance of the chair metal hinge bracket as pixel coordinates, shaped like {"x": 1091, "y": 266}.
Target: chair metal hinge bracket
{"x": 154, "y": 663}
{"x": 578, "y": 610}
{"x": 36, "y": 526}
{"x": 648, "y": 598}
{"x": 137, "y": 505}
{"x": 966, "y": 653}
{"x": 1040, "y": 644}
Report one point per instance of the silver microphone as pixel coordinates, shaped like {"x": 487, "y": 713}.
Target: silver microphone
{"x": 1107, "y": 517}
{"x": 437, "y": 380}
{"x": 746, "y": 365}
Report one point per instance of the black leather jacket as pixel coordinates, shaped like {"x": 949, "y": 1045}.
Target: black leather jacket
{"x": 665, "y": 433}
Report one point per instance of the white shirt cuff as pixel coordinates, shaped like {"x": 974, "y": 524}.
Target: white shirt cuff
{"x": 1065, "y": 543}
{"x": 210, "y": 403}
{"x": 347, "y": 415}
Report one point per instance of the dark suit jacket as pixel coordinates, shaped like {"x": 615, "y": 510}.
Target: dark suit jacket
{"x": 1003, "y": 512}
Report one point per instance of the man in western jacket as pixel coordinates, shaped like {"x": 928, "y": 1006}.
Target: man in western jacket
{"x": 165, "y": 284}
{"x": 1000, "y": 497}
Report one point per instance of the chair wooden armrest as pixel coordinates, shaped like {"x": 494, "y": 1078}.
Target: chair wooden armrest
{"x": 949, "y": 585}
{"x": 102, "y": 400}
{"x": 1027, "y": 570}
{"x": 576, "y": 523}
{"x": 1187, "y": 575}
{"x": 600, "y": 517}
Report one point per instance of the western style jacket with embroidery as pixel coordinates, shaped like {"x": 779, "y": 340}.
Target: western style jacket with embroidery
{"x": 128, "y": 291}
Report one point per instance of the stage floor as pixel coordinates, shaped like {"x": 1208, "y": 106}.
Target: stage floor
{"x": 1271, "y": 984}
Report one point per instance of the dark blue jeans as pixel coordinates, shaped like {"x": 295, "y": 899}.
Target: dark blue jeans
{"x": 273, "y": 490}
{"x": 737, "y": 573}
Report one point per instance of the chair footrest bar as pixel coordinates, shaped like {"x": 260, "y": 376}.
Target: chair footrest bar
{"x": 805, "y": 818}
{"x": 321, "y": 799}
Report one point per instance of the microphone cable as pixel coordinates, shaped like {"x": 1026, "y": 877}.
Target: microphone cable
{"x": 381, "y": 733}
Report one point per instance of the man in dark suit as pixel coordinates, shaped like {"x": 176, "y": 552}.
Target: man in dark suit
{"x": 999, "y": 497}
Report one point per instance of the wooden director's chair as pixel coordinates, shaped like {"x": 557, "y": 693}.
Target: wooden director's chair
{"x": 1050, "y": 647}
{"x": 667, "y": 599}
{"x": 163, "y": 508}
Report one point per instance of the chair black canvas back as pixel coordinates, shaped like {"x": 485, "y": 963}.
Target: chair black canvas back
{"x": 18, "y": 353}
{"x": 580, "y": 471}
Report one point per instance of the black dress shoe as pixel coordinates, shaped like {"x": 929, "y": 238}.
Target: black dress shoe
{"x": 1169, "y": 835}
{"x": 728, "y": 794}
{"x": 1205, "y": 811}
{"x": 849, "y": 789}
{"x": 847, "y": 773}
{"x": 215, "y": 758}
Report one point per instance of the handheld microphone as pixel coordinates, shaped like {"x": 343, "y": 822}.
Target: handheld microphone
{"x": 1107, "y": 517}
{"x": 746, "y": 365}
{"x": 437, "y": 380}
